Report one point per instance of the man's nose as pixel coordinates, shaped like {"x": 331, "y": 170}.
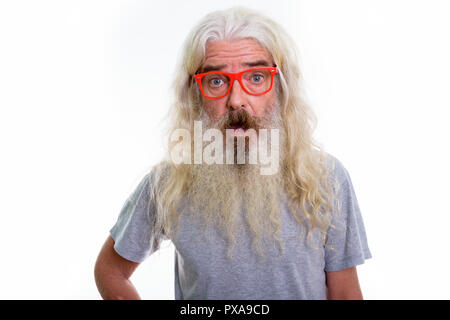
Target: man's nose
{"x": 237, "y": 96}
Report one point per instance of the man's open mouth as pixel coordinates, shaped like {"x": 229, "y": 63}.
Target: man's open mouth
{"x": 240, "y": 122}
{"x": 239, "y": 127}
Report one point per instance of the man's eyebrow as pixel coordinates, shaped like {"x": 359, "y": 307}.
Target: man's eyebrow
{"x": 257, "y": 63}
{"x": 210, "y": 68}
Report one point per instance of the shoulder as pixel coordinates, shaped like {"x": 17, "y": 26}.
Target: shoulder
{"x": 147, "y": 183}
{"x": 155, "y": 175}
{"x": 336, "y": 168}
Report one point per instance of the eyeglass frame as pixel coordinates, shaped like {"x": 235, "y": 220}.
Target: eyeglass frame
{"x": 236, "y": 76}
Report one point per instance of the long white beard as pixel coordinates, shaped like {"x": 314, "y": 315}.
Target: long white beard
{"x": 227, "y": 196}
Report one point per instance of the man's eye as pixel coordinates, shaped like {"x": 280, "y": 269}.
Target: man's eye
{"x": 257, "y": 78}
{"x": 216, "y": 82}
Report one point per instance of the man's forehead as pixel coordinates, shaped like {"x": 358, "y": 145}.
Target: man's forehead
{"x": 246, "y": 52}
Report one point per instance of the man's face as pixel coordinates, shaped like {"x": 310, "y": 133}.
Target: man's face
{"x": 235, "y": 56}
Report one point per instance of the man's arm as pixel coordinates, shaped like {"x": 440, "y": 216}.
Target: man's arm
{"x": 343, "y": 285}
{"x": 112, "y": 273}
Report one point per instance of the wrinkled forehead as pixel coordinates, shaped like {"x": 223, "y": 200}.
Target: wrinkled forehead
{"x": 245, "y": 52}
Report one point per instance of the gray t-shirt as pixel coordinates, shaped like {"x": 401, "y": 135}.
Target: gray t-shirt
{"x": 203, "y": 271}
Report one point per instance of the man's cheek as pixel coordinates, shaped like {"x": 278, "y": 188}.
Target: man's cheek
{"x": 267, "y": 109}
{"x": 217, "y": 112}
{"x": 210, "y": 111}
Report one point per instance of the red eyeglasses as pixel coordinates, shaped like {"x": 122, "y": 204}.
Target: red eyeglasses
{"x": 255, "y": 81}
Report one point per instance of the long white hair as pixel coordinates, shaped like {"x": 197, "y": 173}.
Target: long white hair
{"x": 306, "y": 168}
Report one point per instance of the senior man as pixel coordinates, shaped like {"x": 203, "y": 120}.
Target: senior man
{"x": 295, "y": 232}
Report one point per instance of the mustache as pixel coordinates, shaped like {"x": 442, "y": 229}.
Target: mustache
{"x": 239, "y": 118}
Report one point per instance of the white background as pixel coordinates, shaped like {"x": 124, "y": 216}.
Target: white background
{"x": 84, "y": 86}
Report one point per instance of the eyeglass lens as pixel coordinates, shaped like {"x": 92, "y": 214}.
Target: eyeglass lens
{"x": 254, "y": 81}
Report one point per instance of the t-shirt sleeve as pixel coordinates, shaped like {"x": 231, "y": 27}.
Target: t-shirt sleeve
{"x": 134, "y": 233}
{"x": 350, "y": 240}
